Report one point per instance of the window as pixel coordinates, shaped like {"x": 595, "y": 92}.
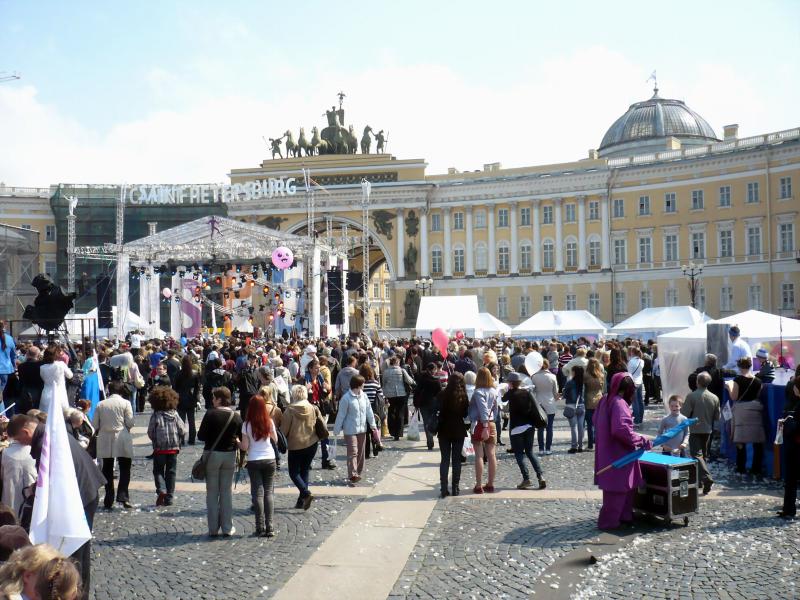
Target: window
{"x": 571, "y": 302}
{"x": 480, "y": 219}
{"x": 548, "y": 255}
{"x": 787, "y": 296}
{"x": 547, "y": 215}
{"x": 436, "y": 260}
{"x": 458, "y": 260}
{"x": 698, "y": 244}
{"x": 671, "y": 297}
{"x": 25, "y": 226}
{"x": 753, "y": 240}
{"x": 725, "y": 196}
{"x": 670, "y": 202}
{"x": 619, "y": 208}
{"x": 525, "y": 257}
{"x": 458, "y": 220}
{"x": 569, "y": 213}
{"x": 50, "y": 233}
{"x": 645, "y": 250}
{"x": 671, "y": 247}
{"x": 481, "y": 257}
{"x": 726, "y": 243}
{"x": 644, "y": 205}
{"x": 619, "y": 303}
{"x": 726, "y": 298}
{"x": 700, "y": 299}
{"x": 547, "y": 302}
{"x": 572, "y": 254}
{"x": 752, "y": 192}
{"x": 594, "y": 211}
{"x": 754, "y": 297}
{"x": 481, "y": 304}
{"x": 786, "y": 237}
{"x": 594, "y": 253}
{"x": 645, "y": 299}
{"x": 50, "y": 268}
{"x": 525, "y": 216}
{"x": 620, "y": 252}
{"x": 386, "y": 320}
{"x": 386, "y": 290}
{"x": 376, "y": 287}
{"x": 377, "y": 319}
{"x": 502, "y": 217}
{"x": 436, "y": 222}
{"x": 502, "y": 258}
{"x": 524, "y": 306}
{"x": 786, "y": 187}
{"x": 502, "y": 307}
{"x": 697, "y": 200}
{"x": 594, "y": 304}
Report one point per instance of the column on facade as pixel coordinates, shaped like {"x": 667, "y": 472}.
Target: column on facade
{"x": 492, "y": 250}
{"x": 470, "y": 265}
{"x": 514, "y": 258}
{"x": 424, "y": 256}
{"x": 401, "y": 250}
{"x": 123, "y": 304}
{"x": 315, "y": 325}
{"x": 537, "y": 239}
{"x": 606, "y": 233}
{"x": 448, "y": 247}
{"x": 581, "y": 233}
{"x": 559, "y": 236}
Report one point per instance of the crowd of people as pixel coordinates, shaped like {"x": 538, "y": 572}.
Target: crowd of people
{"x": 265, "y": 399}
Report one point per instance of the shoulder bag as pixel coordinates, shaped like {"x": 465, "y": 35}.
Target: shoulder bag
{"x": 537, "y": 413}
{"x": 320, "y": 428}
{"x": 199, "y": 467}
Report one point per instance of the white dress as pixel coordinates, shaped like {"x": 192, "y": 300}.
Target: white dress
{"x": 54, "y": 376}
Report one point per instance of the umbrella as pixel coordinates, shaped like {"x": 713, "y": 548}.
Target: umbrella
{"x": 637, "y": 454}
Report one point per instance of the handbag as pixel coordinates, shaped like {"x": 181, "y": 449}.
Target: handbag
{"x": 199, "y": 467}
{"x": 320, "y": 428}
{"x": 537, "y": 413}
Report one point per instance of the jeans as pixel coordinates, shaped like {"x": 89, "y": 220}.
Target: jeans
{"x": 165, "y": 466}
{"x": 187, "y": 414}
{"x": 219, "y": 491}
{"x": 262, "y": 488}
{"x": 355, "y": 453}
{"x": 638, "y": 405}
{"x": 450, "y": 451}
{"x": 299, "y": 462}
{"x": 428, "y": 413}
{"x": 576, "y": 427}
{"x": 124, "y": 480}
{"x": 792, "y": 457}
{"x": 741, "y": 458}
{"x": 396, "y": 408}
{"x": 3, "y": 383}
{"x": 540, "y": 434}
{"x": 326, "y": 458}
{"x": 498, "y": 423}
{"x": 522, "y": 445}
{"x": 589, "y": 426}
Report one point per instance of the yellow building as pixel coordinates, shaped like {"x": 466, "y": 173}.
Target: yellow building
{"x": 29, "y": 208}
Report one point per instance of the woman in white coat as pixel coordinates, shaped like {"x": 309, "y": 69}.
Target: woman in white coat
{"x": 54, "y": 373}
{"x": 545, "y": 387}
{"x": 113, "y": 421}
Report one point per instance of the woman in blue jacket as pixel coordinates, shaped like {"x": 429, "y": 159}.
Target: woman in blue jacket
{"x": 354, "y": 414}
{"x": 8, "y": 363}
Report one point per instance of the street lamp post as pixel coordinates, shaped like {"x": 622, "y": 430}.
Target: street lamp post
{"x": 424, "y": 285}
{"x": 692, "y": 273}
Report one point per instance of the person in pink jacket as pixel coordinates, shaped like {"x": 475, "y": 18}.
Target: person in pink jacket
{"x": 614, "y": 438}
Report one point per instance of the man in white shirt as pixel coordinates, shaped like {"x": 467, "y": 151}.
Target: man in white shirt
{"x": 738, "y": 348}
{"x": 636, "y": 369}
{"x": 136, "y": 339}
{"x": 17, "y": 465}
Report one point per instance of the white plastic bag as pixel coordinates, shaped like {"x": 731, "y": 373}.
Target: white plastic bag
{"x": 332, "y": 448}
{"x": 727, "y": 413}
{"x": 467, "y": 449}
{"x": 412, "y": 434}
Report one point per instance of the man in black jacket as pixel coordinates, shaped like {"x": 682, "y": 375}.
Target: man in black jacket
{"x": 30, "y": 381}
{"x": 428, "y": 388}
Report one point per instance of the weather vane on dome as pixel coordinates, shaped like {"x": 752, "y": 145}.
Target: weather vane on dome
{"x": 655, "y": 83}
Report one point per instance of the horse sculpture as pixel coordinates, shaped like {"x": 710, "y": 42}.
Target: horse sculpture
{"x": 291, "y": 147}
{"x": 339, "y": 142}
{"x": 366, "y": 140}
{"x": 318, "y": 145}
{"x": 302, "y": 143}
{"x": 352, "y": 140}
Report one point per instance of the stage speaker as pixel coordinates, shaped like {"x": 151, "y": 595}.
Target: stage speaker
{"x": 105, "y": 317}
{"x": 355, "y": 281}
{"x": 335, "y": 298}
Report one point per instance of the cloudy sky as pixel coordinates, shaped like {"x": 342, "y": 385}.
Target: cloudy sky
{"x": 181, "y": 92}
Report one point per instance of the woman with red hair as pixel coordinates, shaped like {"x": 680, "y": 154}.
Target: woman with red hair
{"x": 258, "y": 433}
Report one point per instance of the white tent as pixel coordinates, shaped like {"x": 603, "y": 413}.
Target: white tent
{"x": 491, "y": 325}
{"x": 561, "y": 323}
{"x": 132, "y": 321}
{"x": 451, "y": 313}
{"x": 652, "y": 322}
{"x": 681, "y": 352}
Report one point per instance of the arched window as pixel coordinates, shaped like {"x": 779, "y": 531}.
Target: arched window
{"x": 481, "y": 257}
{"x": 436, "y": 260}
{"x": 548, "y": 254}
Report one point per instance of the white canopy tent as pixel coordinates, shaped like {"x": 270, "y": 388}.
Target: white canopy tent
{"x": 681, "y": 352}
{"x": 491, "y": 325}
{"x": 652, "y": 322}
{"x": 132, "y": 322}
{"x": 561, "y": 323}
{"x": 451, "y": 313}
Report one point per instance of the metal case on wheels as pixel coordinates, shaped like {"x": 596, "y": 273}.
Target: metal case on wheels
{"x": 671, "y": 487}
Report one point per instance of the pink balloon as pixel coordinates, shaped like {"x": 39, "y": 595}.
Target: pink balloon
{"x": 282, "y": 257}
{"x": 459, "y": 335}
{"x": 440, "y": 340}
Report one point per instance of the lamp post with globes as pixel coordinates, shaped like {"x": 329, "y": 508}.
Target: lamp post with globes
{"x": 424, "y": 285}
{"x": 692, "y": 273}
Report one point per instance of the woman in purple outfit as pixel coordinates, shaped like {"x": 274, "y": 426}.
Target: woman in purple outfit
{"x": 614, "y": 438}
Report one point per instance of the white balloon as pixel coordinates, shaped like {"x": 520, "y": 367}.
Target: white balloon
{"x": 166, "y": 292}
{"x": 533, "y": 362}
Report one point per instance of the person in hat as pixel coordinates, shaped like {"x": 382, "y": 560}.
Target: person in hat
{"x": 738, "y": 350}
{"x": 766, "y": 370}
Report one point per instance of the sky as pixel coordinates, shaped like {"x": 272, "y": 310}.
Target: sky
{"x": 182, "y": 92}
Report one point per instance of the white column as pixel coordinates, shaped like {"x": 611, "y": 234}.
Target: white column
{"x": 123, "y": 306}
{"x": 606, "y": 233}
{"x": 424, "y": 257}
{"x": 470, "y": 265}
{"x": 537, "y": 239}
{"x": 155, "y": 304}
{"x": 345, "y": 298}
{"x": 514, "y": 259}
{"x": 401, "y": 250}
{"x": 581, "y": 233}
{"x": 314, "y": 324}
{"x": 448, "y": 249}
{"x": 175, "y": 308}
{"x": 492, "y": 250}
{"x": 559, "y": 235}
{"x": 144, "y": 299}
